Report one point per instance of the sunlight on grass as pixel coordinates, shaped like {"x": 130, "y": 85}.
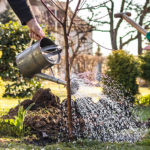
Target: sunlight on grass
{"x": 7, "y": 103}
{"x": 57, "y": 89}
{"x": 60, "y": 91}
{"x": 144, "y": 91}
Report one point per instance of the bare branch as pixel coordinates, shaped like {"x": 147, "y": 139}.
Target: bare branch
{"x": 60, "y": 4}
{"x": 66, "y": 13}
{"x": 51, "y": 12}
{"x": 102, "y": 17}
{"x": 122, "y": 6}
{"x": 101, "y": 45}
{"x": 82, "y": 4}
{"x": 120, "y": 20}
{"x": 128, "y": 41}
{"x": 59, "y": 7}
{"x": 70, "y": 1}
{"x": 102, "y": 22}
{"x": 96, "y": 6}
{"x": 128, "y": 33}
{"x": 76, "y": 9}
{"x": 145, "y": 10}
{"x": 102, "y": 30}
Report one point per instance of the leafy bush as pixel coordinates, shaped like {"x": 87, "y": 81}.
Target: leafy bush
{"x": 143, "y": 100}
{"x": 145, "y": 66}
{"x": 14, "y": 38}
{"x": 7, "y": 15}
{"x": 122, "y": 69}
{"x": 2, "y": 88}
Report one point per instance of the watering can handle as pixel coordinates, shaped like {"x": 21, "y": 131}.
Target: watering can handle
{"x": 126, "y": 17}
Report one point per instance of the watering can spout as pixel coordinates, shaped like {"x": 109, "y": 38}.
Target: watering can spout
{"x": 50, "y": 78}
{"x": 74, "y": 83}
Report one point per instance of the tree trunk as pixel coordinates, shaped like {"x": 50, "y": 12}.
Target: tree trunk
{"x": 68, "y": 82}
{"x": 139, "y": 44}
{"x": 112, "y": 30}
{"x": 113, "y": 39}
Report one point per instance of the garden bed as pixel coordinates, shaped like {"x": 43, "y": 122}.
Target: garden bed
{"x": 47, "y": 118}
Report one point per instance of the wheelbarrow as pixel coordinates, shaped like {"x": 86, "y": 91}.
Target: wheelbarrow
{"x": 126, "y": 16}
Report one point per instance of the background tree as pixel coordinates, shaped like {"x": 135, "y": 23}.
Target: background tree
{"x": 82, "y": 30}
{"x": 66, "y": 24}
{"x": 142, "y": 16}
{"x": 108, "y": 24}
{"x": 79, "y": 41}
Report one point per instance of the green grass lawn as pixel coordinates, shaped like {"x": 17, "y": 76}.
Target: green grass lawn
{"x": 7, "y": 103}
{"x": 77, "y": 145}
{"x": 59, "y": 90}
{"x": 143, "y": 112}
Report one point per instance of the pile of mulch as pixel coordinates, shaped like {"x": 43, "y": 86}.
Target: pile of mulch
{"x": 47, "y": 118}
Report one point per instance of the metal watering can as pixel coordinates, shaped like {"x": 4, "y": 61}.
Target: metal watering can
{"x": 40, "y": 55}
{"x": 43, "y": 54}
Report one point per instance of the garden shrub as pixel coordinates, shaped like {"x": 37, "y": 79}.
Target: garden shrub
{"x": 14, "y": 39}
{"x": 15, "y": 127}
{"x": 122, "y": 70}
{"x": 8, "y": 15}
{"x": 145, "y": 66}
{"x": 2, "y": 88}
{"x": 143, "y": 100}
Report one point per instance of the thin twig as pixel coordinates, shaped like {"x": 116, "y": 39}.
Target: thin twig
{"x": 101, "y": 45}
{"x": 66, "y": 12}
{"x": 94, "y": 6}
{"x": 61, "y": 8}
{"x": 101, "y": 17}
{"x": 51, "y": 12}
{"x": 78, "y": 4}
{"x": 60, "y": 3}
{"x": 82, "y": 4}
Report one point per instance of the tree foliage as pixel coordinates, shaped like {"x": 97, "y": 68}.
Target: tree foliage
{"x": 145, "y": 66}
{"x": 7, "y": 15}
{"x": 14, "y": 38}
{"x": 122, "y": 68}
{"x": 2, "y": 88}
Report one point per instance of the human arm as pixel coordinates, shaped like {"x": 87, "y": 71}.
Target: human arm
{"x": 22, "y": 10}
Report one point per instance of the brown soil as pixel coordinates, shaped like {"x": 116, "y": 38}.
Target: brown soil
{"x": 48, "y": 118}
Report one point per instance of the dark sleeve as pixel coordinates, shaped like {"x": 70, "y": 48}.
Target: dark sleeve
{"x": 22, "y": 10}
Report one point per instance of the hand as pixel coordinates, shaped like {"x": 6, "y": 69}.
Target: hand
{"x": 35, "y": 30}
